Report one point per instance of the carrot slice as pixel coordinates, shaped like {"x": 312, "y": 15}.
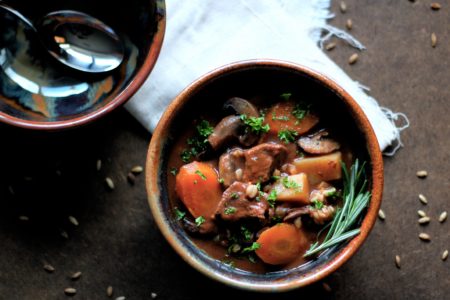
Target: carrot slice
{"x": 198, "y": 187}
{"x": 280, "y": 117}
{"x": 280, "y": 244}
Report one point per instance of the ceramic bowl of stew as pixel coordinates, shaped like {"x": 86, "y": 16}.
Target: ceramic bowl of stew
{"x": 264, "y": 175}
{"x": 38, "y": 92}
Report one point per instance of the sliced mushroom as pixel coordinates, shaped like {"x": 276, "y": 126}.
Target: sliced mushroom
{"x": 316, "y": 144}
{"x": 241, "y": 107}
{"x": 232, "y": 127}
{"x": 227, "y": 129}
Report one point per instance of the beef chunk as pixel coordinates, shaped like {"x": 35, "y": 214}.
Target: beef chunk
{"x": 261, "y": 160}
{"x": 253, "y": 165}
{"x": 231, "y": 166}
{"x": 236, "y": 205}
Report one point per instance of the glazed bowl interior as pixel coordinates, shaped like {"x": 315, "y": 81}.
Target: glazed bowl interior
{"x": 205, "y": 97}
{"x": 38, "y": 92}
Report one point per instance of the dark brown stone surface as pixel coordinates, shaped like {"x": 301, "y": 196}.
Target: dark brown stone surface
{"x": 118, "y": 244}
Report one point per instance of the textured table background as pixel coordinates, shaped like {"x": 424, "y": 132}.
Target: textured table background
{"x": 117, "y": 243}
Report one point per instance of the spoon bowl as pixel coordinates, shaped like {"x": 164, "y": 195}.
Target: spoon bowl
{"x": 39, "y": 92}
{"x": 76, "y": 39}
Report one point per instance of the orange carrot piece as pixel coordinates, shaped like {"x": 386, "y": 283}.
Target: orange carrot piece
{"x": 280, "y": 244}
{"x": 280, "y": 117}
{"x": 198, "y": 187}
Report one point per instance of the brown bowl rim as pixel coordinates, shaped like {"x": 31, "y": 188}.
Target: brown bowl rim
{"x": 119, "y": 100}
{"x": 373, "y": 149}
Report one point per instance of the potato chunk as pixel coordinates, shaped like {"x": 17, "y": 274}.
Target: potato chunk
{"x": 320, "y": 168}
{"x": 293, "y": 188}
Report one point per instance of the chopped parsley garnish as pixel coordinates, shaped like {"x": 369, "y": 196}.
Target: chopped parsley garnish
{"x": 277, "y": 219}
{"x": 234, "y": 195}
{"x": 246, "y": 233}
{"x": 221, "y": 180}
{"x": 331, "y": 192}
{"x": 272, "y": 198}
{"x": 199, "y": 221}
{"x": 229, "y": 263}
{"x": 199, "y": 142}
{"x": 199, "y": 173}
{"x": 173, "y": 171}
{"x": 185, "y": 155}
{"x": 255, "y": 124}
{"x": 230, "y": 210}
{"x": 317, "y": 204}
{"x": 251, "y": 258}
{"x": 253, "y": 247}
{"x": 287, "y": 136}
{"x": 179, "y": 215}
{"x": 274, "y": 177}
{"x": 290, "y": 184}
{"x": 300, "y": 110}
{"x": 286, "y": 96}
{"x": 280, "y": 118}
{"x": 204, "y": 129}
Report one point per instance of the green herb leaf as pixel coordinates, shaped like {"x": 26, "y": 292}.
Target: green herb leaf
{"x": 186, "y": 155}
{"x": 287, "y": 136}
{"x": 179, "y": 215}
{"x": 277, "y": 219}
{"x": 301, "y": 109}
{"x": 247, "y": 234}
{"x": 272, "y": 198}
{"x": 229, "y": 263}
{"x": 174, "y": 171}
{"x": 317, "y": 204}
{"x": 197, "y": 143}
{"x": 199, "y": 173}
{"x": 234, "y": 195}
{"x": 221, "y": 180}
{"x": 230, "y": 210}
{"x": 255, "y": 124}
{"x": 204, "y": 129}
{"x": 253, "y": 247}
{"x": 286, "y": 96}
{"x": 330, "y": 192}
{"x": 355, "y": 200}
{"x": 290, "y": 184}
{"x": 280, "y": 118}
{"x": 199, "y": 221}
{"x": 251, "y": 258}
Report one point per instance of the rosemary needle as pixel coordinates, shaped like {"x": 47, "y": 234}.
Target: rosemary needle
{"x": 355, "y": 199}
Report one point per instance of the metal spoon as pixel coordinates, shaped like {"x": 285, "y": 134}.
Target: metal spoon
{"x": 77, "y": 40}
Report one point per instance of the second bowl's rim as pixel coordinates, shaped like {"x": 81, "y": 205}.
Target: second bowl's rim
{"x": 119, "y": 100}
{"x": 153, "y": 157}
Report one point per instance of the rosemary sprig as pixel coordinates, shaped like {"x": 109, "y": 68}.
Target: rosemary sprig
{"x": 355, "y": 199}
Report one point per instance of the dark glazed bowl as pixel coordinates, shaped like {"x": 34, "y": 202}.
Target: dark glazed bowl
{"x": 37, "y": 92}
{"x": 207, "y": 95}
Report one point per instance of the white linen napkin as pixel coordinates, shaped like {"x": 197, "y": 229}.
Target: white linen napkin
{"x": 202, "y": 35}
